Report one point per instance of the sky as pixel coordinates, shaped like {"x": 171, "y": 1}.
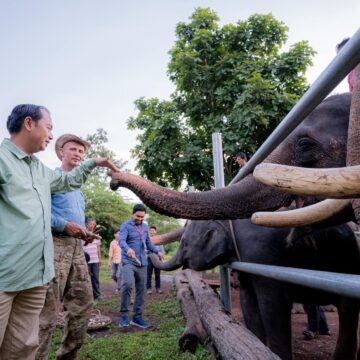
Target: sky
{"x": 88, "y": 61}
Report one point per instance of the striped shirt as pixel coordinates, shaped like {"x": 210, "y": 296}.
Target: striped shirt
{"x": 92, "y": 250}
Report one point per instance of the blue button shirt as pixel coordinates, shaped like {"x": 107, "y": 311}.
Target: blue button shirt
{"x": 67, "y": 207}
{"x": 137, "y": 238}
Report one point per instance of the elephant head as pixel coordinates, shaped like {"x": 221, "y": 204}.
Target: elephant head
{"x": 213, "y": 246}
{"x": 319, "y": 141}
{"x": 332, "y": 183}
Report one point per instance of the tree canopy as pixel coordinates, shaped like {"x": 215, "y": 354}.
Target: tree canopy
{"x": 232, "y": 79}
{"x": 108, "y": 207}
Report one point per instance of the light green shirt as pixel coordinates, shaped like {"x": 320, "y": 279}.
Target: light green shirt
{"x": 26, "y": 246}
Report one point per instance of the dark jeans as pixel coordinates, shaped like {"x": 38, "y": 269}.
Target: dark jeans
{"x": 116, "y": 274}
{"x": 131, "y": 274}
{"x": 316, "y": 318}
{"x": 150, "y": 269}
{"x": 94, "y": 269}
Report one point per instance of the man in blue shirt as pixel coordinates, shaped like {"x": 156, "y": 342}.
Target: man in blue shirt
{"x": 72, "y": 284}
{"x": 134, "y": 242}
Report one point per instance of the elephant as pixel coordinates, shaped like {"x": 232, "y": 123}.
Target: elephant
{"x": 333, "y": 183}
{"x": 266, "y": 304}
{"x": 318, "y": 142}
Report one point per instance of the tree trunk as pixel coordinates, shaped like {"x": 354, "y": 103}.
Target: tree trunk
{"x": 194, "y": 332}
{"x": 232, "y": 339}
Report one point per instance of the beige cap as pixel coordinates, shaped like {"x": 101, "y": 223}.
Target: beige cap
{"x": 63, "y": 139}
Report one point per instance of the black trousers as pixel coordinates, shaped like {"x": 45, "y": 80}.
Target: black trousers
{"x": 150, "y": 269}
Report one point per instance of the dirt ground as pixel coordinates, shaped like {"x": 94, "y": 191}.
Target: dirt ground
{"x": 320, "y": 348}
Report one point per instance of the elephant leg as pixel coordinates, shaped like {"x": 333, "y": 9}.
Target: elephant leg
{"x": 347, "y": 342}
{"x": 250, "y": 309}
{"x": 275, "y": 303}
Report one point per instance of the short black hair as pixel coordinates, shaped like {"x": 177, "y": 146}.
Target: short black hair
{"x": 241, "y": 155}
{"x": 153, "y": 227}
{"x": 90, "y": 220}
{"x": 341, "y": 44}
{"x": 20, "y": 112}
{"x": 138, "y": 207}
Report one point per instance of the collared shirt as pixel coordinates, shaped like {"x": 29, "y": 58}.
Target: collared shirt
{"x": 67, "y": 207}
{"x": 115, "y": 252}
{"x": 26, "y": 246}
{"x": 137, "y": 238}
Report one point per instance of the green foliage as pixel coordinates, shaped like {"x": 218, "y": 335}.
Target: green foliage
{"x": 99, "y": 149}
{"x": 107, "y": 207}
{"x": 233, "y": 80}
{"x": 163, "y": 223}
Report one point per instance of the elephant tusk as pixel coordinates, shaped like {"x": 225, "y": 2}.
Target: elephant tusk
{"x": 301, "y": 217}
{"x": 334, "y": 183}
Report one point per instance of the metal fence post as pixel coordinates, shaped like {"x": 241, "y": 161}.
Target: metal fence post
{"x": 225, "y": 296}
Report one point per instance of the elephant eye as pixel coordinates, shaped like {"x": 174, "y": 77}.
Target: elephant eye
{"x": 307, "y": 151}
{"x": 305, "y": 143}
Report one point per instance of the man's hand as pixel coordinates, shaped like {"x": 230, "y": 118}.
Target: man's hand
{"x": 161, "y": 256}
{"x": 106, "y": 162}
{"x": 131, "y": 253}
{"x": 74, "y": 230}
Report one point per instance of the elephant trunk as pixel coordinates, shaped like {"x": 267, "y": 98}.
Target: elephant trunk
{"x": 174, "y": 263}
{"x": 233, "y": 202}
{"x": 168, "y": 237}
{"x": 353, "y": 147}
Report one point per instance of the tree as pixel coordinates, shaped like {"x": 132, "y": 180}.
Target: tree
{"x": 231, "y": 79}
{"x": 106, "y": 206}
{"x": 98, "y": 149}
{"x": 163, "y": 223}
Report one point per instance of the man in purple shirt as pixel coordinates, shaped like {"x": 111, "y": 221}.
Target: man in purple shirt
{"x": 72, "y": 284}
{"x": 134, "y": 242}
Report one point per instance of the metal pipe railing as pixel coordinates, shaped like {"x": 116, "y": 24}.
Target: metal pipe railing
{"x": 225, "y": 289}
{"x": 334, "y": 73}
{"x": 337, "y": 283}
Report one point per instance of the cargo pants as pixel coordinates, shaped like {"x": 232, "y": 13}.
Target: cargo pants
{"x": 71, "y": 286}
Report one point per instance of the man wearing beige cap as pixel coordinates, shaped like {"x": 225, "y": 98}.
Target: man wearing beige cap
{"x": 26, "y": 245}
{"x": 72, "y": 284}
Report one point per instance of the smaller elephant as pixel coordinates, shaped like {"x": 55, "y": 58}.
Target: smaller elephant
{"x": 267, "y": 303}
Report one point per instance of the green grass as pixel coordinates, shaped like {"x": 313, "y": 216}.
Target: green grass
{"x": 160, "y": 342}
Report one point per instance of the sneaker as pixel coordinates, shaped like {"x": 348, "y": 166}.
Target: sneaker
{"x": 140, "y": 323}
{"x": 309, "y": 335}
{"x": 326, "y": 332}
{"x": 124, "y": 321}
{"x": 159, "y": 291}
{"x": 149, "y": 292}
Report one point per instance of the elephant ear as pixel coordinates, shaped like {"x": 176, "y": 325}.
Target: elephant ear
{"x": 353, "y": 147}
